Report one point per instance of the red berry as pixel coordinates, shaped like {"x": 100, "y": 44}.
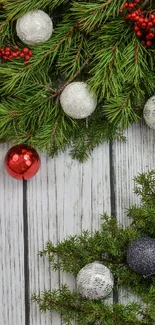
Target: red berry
{"x": 30, "y": 53}
{"x": 7, "y": 53}
{"x": 5, "y": 57}
{"x": 136, "y": 28}
{"x": 27, "y": 58}
{"x": 25, "y": 50}
{"x": 141, "y": 20}
{"x": 150, "y": 36}
{"x": 146, "y": 20}
{"x": 150, "y": 24}
{"x": 11, "y": 57}
{"x": 16, "y": 47}
{"x": 8, "y": 49}
{"x": 153, "y": 21}
{"x": 14, "y": 54}
{"x": 131, "y": 5}
{"x": 125, "y": 5}
{"x": 137, "y": 1}
{"x": 18, "y": 52}
{"x": 143, "y": 25}
{"x": 139, "y": 33}
{"x": 148, "y": 43}
{"x": 152, "y": 16}
{"x": 22, "y": 55}
{"x": 136, "y": 17}
{"x": 128, "y": 17}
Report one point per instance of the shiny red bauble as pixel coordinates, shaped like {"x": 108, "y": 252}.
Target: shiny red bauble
{"x": 22, "y": 162}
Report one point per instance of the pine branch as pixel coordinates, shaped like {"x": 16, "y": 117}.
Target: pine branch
{"x": 91, "y": 42}
{"x": 108, "y": 245}
{"x": 58, "y": 92}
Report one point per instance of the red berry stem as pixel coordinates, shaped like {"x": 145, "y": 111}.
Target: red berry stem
{"x": 143, "y": 22}
{"x": 11, "y": 53}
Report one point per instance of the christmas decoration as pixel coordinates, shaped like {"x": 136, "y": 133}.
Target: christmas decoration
{"x": 22, "y": 162}
{"x": 95, "y": 281}
{"x": 143, "y": 21}
{"x": 11, "y": 54}
{"x": 77, "y": 101}
{"x": 107, "y": 45}
{"x": 149, "y": 112}
{"x": 34, "y": 27}
{"x": 141, "y": 256}
{"x": 77, "y": 255}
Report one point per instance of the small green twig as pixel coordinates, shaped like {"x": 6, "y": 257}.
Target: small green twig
{"x": 145, "y": 3}
{"x": 101, "y": 7}
{"x": 55, "y": 128}
{"x": 58, "y": 92}
{"x": 113, "y": 58}
{"x": 76, "y": 26}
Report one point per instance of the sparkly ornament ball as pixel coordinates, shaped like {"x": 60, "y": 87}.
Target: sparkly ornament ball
{"x": 95, "y": 281}
{"x": 22, "y": 162}
{"x": 77, "y": 101}
{"x": 141, "y": 256}
{"x": 149, "y": 112}
{"x": 34, "y": 27}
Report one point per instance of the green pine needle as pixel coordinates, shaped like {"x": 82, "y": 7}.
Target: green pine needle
{"x": 108, "y": 246}
{"x": 91, "y": 42}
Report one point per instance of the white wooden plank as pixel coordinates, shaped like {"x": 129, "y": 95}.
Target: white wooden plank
{"x": 130, "y": 158}
{"x": 80, "y": 187}
{"x": 100, "y": 190}
{"x": 12, "y": 299}
{"x": 64, "y": 198}
{"x": 100, "y": 184}
{"x": 42, "y": 218}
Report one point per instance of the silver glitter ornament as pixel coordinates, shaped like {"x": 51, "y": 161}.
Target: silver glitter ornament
{"x": 34, "y": 27}
{"x": 149, "y": 112}
{"x": 141, "y": 256}
{"x": 95, "y": 281}
{"x": 77, "y": 101}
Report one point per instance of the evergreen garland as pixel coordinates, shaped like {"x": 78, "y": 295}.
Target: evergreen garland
{"x": 108, "y": 246}
{"x": 91, "y": 42}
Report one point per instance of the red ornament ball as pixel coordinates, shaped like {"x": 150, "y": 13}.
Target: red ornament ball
{"x": 22, "y": 162}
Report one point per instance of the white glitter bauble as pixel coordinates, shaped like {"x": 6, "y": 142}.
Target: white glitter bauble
{"x": 95, "y": 281}
{"x": 149, "y": 112}
{"x": 77, "y": 101}
{"x": 34, "y": 27}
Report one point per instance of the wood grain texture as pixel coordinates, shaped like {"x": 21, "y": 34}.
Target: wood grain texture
{"x": 135, "y": 156}
{"x": 63, "y": 199}
{"x": 12, "y": 297}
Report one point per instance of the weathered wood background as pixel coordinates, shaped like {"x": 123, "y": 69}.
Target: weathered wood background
{"x": 62, "y": 199}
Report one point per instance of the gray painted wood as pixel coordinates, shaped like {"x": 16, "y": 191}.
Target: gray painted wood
{"x": 64, "y": 198}
{"x": 135, "y": 156}
{"x": 12, "y": 294}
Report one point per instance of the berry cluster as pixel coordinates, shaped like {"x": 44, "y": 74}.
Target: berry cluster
{"x": 144, "y": 23}
{"x": 131, "y": 5}
{"x": 9, "y": 54}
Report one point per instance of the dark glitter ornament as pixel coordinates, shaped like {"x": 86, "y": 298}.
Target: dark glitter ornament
{"x": 141, "y": 256}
